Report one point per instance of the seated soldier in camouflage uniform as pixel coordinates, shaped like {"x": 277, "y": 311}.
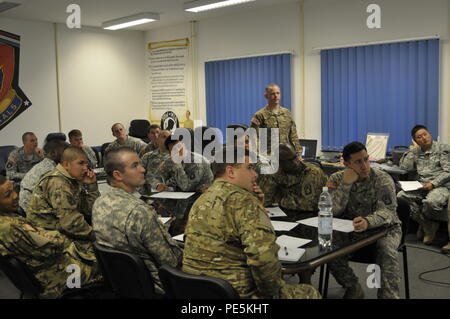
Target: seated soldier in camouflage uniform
{"x": 126, "y": 223}
{"x": 153, "y": 133}
{"x": 63, "y": 198}
{"x": 22, "y": 159}
{"x": 46, "y": 253}
{"x": 76, "y": 139}
{"x": 431, "y": 161}
{"x": 183, "y": 171}
{"x": 367, "y": 196}
{"x": 122, "y": 139}
{"x": 53, "y": 151}
{"x": 151, "y": 161}
{"x": 229, "y": 235}
{"x": 296, "y": 186}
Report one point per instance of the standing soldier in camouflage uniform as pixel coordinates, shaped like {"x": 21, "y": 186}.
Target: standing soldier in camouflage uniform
{"x": 296, "y": 186}
{"x": 46, "y": 253}
{"x": 431, "y": 160}
{"x": 367, "y": 196}
{"x": 76, "y": 139}
{"x": 230, "y": 236}
{"x": 273, "y": 115}
{"x": 126, "y": 223}
{"x": 63, "y": 198}
{"x": 153, "y": 133}
{"x": 21, "y": 160}
{"x": 122, "y": 139}
{"x": 53, "y": 151}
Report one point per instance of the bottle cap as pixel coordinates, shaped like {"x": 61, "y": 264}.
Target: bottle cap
{"x": 325, "y": 189}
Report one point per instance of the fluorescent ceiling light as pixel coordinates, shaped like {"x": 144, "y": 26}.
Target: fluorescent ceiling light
{"x": 203, "y": 5}
{"x": 130, "y": 21}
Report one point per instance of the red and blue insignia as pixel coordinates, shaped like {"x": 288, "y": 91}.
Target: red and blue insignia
{"x": 12, "y": 99}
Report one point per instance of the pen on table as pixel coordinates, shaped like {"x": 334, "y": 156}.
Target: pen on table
{"x": 285, "y": 250}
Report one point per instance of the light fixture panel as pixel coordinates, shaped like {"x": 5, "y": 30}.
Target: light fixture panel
{"x": 203, "y": 5}
{"x": 130, "y": 21}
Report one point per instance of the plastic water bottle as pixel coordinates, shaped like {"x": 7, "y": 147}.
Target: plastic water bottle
{"x": 325, "y": 222}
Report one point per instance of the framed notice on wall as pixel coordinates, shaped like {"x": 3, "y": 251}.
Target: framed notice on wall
{"x": 169, "y": 68}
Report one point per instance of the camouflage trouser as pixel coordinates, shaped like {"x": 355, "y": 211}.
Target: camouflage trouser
{"x": 388, "y": 260}
{"x": 300, "y": 291}
{"x": 425, "y": 204}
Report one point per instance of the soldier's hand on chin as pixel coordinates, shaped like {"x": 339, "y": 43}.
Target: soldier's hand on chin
{"x": 350, "y": 176}
{"x": 89, "y": 177}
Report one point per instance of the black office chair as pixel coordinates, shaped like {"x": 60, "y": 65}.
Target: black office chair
{"x": 103, "y": 149}
{"x": 367, "y": 255}
{"x": 180, "y": 285}
{"x": 19, "y": 274}
{"x": 125, "y": 273}
{"x": 25, "y": 281}
{"x": 98, "y": 155}
{"x": 139, "y": 129}
{"x": 4, "y": 154}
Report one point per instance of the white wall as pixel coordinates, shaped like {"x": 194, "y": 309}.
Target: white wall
{"x": 36, "y": 78}
{"x": 340, "y": 23}
{"x": 101, "y": 80}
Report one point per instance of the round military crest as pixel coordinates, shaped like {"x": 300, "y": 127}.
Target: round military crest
{"x": 169, "y": 121}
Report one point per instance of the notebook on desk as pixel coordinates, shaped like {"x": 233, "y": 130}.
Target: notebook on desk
{"x": 309, "y": 148}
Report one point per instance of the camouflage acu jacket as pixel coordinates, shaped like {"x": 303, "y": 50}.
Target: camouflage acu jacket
{"x": 61, "y": 203}
{"x": 46, "y": 253}
{"x": 229, "y": 236}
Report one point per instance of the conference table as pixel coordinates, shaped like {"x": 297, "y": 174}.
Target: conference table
{"x": 343, "y": 244}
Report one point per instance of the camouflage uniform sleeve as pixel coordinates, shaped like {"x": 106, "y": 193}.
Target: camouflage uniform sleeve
{"x": 268, "y": 185}
{"x": 207, "y": 176}
{"x": 12, "y": 168}
{"x": 170, "y": 174}
{"x": 340, "y": 195}
{"x": 71, "y": 220}
{"x": 20, "y": 238}
{"x": 386, "y": 210}
{"x": 408, "y": 162}
{"x": 293, "y": 137}
{"x": 444, "y": 159}
{"x": 258, "y": 241}
{"x": 91, "y": 156}
{"x": 154, "y": 236}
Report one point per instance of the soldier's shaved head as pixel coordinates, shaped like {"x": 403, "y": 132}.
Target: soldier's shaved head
{"x": 72, "y": 153}
{"x": 114, "y": 161}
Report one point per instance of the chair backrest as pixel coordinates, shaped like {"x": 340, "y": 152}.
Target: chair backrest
{"x": 19, "y": 274}
{"x": 139, "y": 129}
{"x": 126, "y": 273}
{"x": 180, "y": 285}
{"x": 103, "y": 149}
{"x": 98, "y": 155}
{"x": 4, "y": 153}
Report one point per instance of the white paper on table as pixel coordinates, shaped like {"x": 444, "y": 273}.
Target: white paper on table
{"x": 173, "y": 195}
{"x": 290, "y": 241}
{"x": 179, "y": 237}
{"x": 164, "y": 219}
{"x": 290, "y": 254}
{"x": 275, "y": 212}
{"x": 283, "y": 226}
{"x": 339, "y": 224}
{"x": 408, "y": 186}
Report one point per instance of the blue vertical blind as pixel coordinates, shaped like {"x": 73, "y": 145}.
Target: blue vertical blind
{"x": 235, "y": 88}
{"x": 386, "y": 88}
